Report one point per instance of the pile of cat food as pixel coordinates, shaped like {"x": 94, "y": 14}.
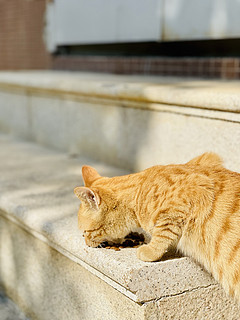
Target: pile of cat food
{"x": 133, "y": 240}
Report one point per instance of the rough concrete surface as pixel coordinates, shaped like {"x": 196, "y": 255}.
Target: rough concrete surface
{"x": 209, "y": 94}
{"x": 122, "y": 121}
{"x": 49, "y": 286}
{"x": 36, "y": 191}
{"x": 203, "y": 304}
{"x": 9, "y": 310}
{"x": 125, "y": 121}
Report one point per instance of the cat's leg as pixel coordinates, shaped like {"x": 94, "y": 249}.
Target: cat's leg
{"x": 163, "y": 236}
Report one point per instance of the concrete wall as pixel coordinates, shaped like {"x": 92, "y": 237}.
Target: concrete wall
{"x": 128, "y": 122}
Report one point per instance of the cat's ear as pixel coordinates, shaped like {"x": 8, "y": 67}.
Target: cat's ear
{"x": 89, "y": 175}
{"x": 88, "y": 196}
{"x": 208, "y": 159}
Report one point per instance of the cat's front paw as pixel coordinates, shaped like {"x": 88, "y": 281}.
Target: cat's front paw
{"x": 147, "y": 253}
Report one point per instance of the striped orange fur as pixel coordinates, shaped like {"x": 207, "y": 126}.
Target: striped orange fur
{"x": 194, "y": 207}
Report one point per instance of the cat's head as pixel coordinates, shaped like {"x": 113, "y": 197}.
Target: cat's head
{"x": 102, "y": 215}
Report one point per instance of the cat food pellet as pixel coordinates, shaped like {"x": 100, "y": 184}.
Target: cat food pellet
{"x": 116, "y": 248}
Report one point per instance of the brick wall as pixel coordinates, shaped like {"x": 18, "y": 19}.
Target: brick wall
{"x": 223, "y": 68}
{"x": 21, "y": 35}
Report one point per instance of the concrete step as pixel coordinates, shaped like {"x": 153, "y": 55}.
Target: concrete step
{"x": 9, "y": 310}
{"x": 131, "y": 122}
{"x": 47, "y": 269}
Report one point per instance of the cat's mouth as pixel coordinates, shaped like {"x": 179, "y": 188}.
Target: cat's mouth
{"x": 92, "y": 239}
{"x": 91, "y": 242}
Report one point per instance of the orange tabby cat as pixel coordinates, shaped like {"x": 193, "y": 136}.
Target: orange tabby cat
{"x": 193, "y": 206}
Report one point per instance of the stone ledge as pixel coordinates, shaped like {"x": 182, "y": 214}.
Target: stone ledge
{"x": 36, "y": 192}
{"x": 204, "y": 94}
{"x": 62, "y": 110}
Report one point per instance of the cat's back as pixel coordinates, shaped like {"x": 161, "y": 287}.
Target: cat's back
{"x": 225, "y": 181}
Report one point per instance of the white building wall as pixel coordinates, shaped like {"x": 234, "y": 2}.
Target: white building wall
{"x": 103, "y": 21}
{"x": 201, "y": 19}
{"x": 71, "y": 22}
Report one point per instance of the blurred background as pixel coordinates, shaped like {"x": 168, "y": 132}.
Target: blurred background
{"x": 163, "y": 37}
